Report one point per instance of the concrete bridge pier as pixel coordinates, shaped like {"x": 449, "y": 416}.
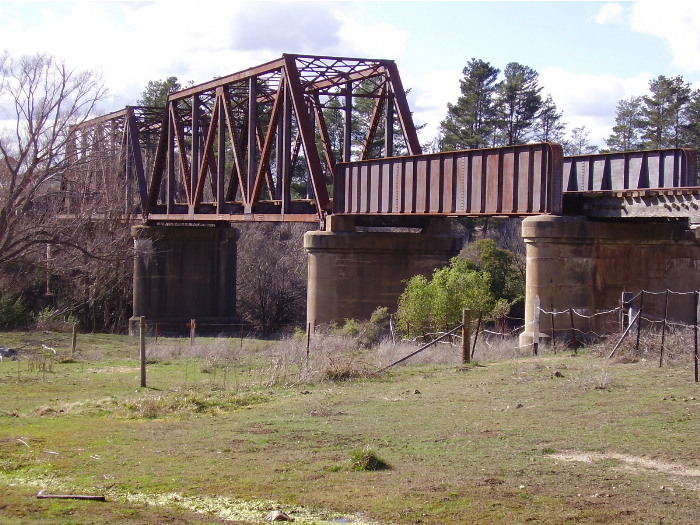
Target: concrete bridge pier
{"x": 352, "y": 271}
{"x": 183, "y": 273}
{"x": 585, "y": 264}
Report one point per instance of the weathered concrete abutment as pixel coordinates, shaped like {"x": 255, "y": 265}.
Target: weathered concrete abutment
{"x": 183, "y": 273}
{"x": 351, "y": 273}
{"x": 586, "y": 264}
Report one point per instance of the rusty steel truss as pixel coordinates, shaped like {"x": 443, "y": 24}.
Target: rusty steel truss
{"x": 258, "y": 144}
{"x": 271, "y": 143}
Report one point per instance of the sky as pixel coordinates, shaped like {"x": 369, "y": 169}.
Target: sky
{"x": 589, "y": 55}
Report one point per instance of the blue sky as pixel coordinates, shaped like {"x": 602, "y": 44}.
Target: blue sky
{"x": 589, "y": 54}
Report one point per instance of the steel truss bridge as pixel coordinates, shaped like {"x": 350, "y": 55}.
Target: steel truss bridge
{"x": 279, "y": 142}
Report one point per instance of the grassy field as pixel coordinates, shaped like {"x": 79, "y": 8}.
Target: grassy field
{"x": 229, "y": 430}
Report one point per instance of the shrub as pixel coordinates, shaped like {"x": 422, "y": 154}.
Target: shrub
{"x": 366, "y": 459}
{"x": 54, "y": 321}
{"x": 436, "y": 305}
{"x": 14, "y": 312}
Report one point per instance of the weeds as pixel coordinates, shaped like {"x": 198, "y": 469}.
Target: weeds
{"x": 366, "y": 459}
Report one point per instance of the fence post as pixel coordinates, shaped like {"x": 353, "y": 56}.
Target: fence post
{"x": 626, "y": 310}
{"x": 466, "y": 335}
{"x": 663, "y": 331}
{"x": 574, "y": 342}
{"x": 74, "y": 340}
{"x": 476, "y": 334}
{"x": 639, "y": 319}
{"x": 308, "y": 340}
{"x": 554, "y": 332}
{"x": 697, "y": 303}
{"x": 193, "y": 329}
{"x": 142, "y": 348}
{"x": 536, "y": 327}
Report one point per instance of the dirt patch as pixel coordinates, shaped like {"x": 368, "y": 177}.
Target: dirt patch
{"x": 114, "y": 370}
{"x": 634, "y": 463}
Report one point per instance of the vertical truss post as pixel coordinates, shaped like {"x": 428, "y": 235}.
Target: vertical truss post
{"x": 195, "y": 148}
{"x": 347, "y": 130}
{"x": 307, "y": 133}
{"x": 284, "y": 139}
{"x": 252, "y": 141}
{"x": 389, "y": 127}
{"x": 170, "y": 176}
{"x": 221, "y": 146}
{"x": 403, "y": 111}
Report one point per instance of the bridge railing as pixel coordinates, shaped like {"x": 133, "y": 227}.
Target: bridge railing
{"x": 513, "y": 180}
{"x": 631, "y": 170}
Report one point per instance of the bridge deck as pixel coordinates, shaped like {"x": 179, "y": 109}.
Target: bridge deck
{"x": 257, "y": 146}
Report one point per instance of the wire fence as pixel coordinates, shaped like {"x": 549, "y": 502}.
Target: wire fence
{"x": 645, "y": 310}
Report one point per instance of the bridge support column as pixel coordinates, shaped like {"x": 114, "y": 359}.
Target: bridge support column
{"x": 183, "y": 273}
{"x": 586, "y": 264}
{"x": 351, "y": 273}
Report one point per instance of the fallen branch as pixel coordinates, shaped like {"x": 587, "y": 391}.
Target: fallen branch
{"x": 627, "y": 331}
{"x": 43, "y": 495}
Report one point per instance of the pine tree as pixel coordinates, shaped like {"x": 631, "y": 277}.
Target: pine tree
{"x": 628, "y": 122}
{"x": 157, "y": 91}
{"x": 548, "y": 126}
{"x": 663, "y": 112}
{"x": 470, "y": 121}
{"x": 580, "y": 143}
{"x": 519, "y": 102}
{"x": 691, "y": 111}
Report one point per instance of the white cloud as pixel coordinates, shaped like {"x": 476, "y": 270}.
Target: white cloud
{"x": 611, "y": 13}
{"x": 132, "y": 43}
{"x": 379, "y": 40}
{"x": 591, "y": 100}
{"x": 429, "y": 96}
{"x": 675, "y": 21}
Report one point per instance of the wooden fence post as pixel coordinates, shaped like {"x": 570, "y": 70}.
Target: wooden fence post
{"x": 574, "y": 342}
{"x": 466, "y": 335}
{"x": 74, "y": 340}
{"x": 639, "y": 319}
{"x": 536, "y": 327}
{"x": 142, "y": 348}
{"x": 697, "y": 303}
{"x": 554, "y": 331}
{"x": 663, "y": 331}
{"x": 626, "y": 310}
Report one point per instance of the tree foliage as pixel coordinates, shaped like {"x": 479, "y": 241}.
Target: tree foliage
{"x": 54, "y": 254}
{"x": 507, "y": 281}
{"x": 519, "y": 101}
{"x": 156, "y": 92}
{"x": 436, "y": 304}
{"x": 471, "y": 119}
{"x": 499, "y": 111}
{"x": 668, "y": 116}
{"x": 579, "y": 143}
{"x": 271, "y": 276}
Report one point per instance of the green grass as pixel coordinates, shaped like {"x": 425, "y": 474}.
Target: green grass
{"x": 229, "y": 430}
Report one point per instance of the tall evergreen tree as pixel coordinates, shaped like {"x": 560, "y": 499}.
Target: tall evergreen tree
{"x": 548, "y": 126}
{"x": 692, "y": 121}
{"x": 628, "y": 121}
{"x": 519, "y": 102}
{"x": 663, "y": 112}
{"x": 579, "y": 143}
{"x": 156, "y": 92}
{"x": 470, "y": 121}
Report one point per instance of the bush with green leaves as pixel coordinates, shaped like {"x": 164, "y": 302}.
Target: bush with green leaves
{"x": 436, "y": 304}
{"x": 14, "y": 312}
{"x": 507, "y": 280}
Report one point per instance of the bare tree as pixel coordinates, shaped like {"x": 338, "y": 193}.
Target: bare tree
{"x": 40, "y": 100}
{"x": 271, "y": 279}
{"x": 71, "y": 258}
